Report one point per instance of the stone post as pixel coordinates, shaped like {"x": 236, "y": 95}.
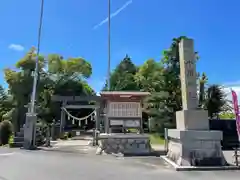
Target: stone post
{"x": 63, "y": 118}
{"x": 97, "y": 119}
{"x": 192, "y": 144}
{"x": 30, "y": 131}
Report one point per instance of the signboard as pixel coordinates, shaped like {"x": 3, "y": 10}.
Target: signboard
{"x": 125, "y": 109}
{"x": 132, "y": 123}
{"x": 116, "y": 122}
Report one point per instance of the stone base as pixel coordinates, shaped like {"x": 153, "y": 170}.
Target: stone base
{"x": 195, "y": 148}
{"x": 134, "y": 144}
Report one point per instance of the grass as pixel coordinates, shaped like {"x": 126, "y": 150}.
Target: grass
{"x": 156, "y": 139}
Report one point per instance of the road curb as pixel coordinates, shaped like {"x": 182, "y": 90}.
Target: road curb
{"x": 194, "y": 168}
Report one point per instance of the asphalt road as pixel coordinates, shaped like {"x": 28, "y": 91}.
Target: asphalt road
{"x": 16, "y": 164}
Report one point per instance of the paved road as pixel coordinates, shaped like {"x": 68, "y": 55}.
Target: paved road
{"x": 18, "y": 164}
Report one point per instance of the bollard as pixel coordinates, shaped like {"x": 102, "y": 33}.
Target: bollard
{"x": 48, "y": 143}
{"x": 94, "y": 136}
{"x": 236, "y": 156}
{"x": 97, "y": 135}
{"x": 166, "y": 139}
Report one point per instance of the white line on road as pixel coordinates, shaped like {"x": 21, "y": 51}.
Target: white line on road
{"x": 7, "y": 154}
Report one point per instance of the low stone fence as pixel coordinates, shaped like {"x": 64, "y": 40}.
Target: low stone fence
{"x": 132, "y": 144}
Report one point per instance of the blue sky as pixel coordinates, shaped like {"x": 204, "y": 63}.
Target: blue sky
{"x": 140, "y": 28}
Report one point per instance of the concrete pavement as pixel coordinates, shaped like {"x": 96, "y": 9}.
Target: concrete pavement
{"x": 19, "y": 164}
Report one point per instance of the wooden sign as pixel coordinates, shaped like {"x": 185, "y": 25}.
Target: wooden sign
{"x": 116, "y": 122}
{"x": 132, "y": 123}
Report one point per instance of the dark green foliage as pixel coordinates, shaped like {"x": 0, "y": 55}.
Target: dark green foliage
{"x": 160, "y": 113}
{"x": 6, "y": 131}
{"x": 123, "y": 76}
{"x": 215, "y": 100}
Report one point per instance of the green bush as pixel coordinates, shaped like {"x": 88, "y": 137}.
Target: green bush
{"x": 11, "y": 140}
{"x": 64, "y": 136}
{"x": 69, "y": 135}
{"x": 6, "y": 131}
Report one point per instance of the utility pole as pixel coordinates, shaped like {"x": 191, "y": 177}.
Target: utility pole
{"x": 109, "y": 44}
{"x": 31, "y": 116}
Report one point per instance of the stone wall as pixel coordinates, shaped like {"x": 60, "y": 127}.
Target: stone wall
{"x": 125, "y": 144}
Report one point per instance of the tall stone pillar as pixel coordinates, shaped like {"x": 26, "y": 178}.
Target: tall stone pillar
{"x": 97, "y": 118}
{"x": 192, "y": 143}
{"x": 63, "y": 118}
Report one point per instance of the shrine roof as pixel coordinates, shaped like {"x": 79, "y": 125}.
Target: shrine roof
{"x": 132, "y": 93}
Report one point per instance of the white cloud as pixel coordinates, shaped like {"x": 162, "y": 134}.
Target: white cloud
{"x": 112, "y": 15}
{"x": 16, "y": 47}
{"x": 227, "y": 90}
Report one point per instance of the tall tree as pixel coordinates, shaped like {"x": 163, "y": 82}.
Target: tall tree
{"x": 169, "y": 99}
{"x": 216, "y": 99}
{"x": 5, "y": 103}
{"x": 202, "y": 82}
{"x": 122, "y": 77}
{"x": 20, "y": 85}
{"x": 56, "y": 76}
{"x": 149, "y": 76}
{"x": 64, "y": 77}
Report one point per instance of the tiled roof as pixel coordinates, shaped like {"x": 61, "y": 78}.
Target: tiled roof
{"x": 136, "y": 93}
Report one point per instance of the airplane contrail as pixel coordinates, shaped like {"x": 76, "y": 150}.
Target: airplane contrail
{"x": 113, "y": 14}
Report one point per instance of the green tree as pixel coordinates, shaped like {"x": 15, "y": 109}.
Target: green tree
{"x": 123, "y": 76}
{"x": 215, "y": 101}
{"x": 63, "y": 77}
{"x": 5, "y": 103}
{"x": 20, "y": 86}
{"x": 56, "y": 76}
{"x": 168, "y": 99}
{"x": 149, "y": 76}
{"x": 202, "y": 91}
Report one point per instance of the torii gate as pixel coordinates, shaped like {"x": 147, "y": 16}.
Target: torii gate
{"x": 66, "y": 99}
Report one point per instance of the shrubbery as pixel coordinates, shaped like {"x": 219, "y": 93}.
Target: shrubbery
{"x": 6, "y": 131}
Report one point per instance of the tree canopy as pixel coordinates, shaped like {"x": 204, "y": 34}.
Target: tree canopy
{"x": 67, "y": 76}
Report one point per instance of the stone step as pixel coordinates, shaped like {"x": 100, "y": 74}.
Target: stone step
{"x": 20, "y": 134}
{"x": 22, "y": 130}
{"x": 18, "y": 139}
{"x": 16, "y": 144}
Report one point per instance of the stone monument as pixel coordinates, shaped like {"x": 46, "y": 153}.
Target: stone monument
{"x": 192, "y": 143}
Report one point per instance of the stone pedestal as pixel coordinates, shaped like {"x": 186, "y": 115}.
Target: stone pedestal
{"x": 30, "y": 131}
{"x": 134, "y": 144}
{"x": 192, "y": 144}
{"x": 195, "y": 148}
